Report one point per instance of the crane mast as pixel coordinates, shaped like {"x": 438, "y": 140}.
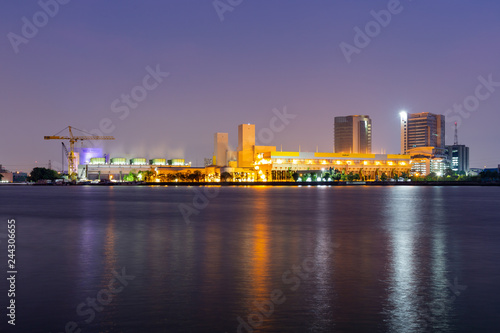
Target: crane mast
{"x": 72, "y": 140}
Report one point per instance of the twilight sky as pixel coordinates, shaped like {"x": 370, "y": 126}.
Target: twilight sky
{"x": 263, "y": 56}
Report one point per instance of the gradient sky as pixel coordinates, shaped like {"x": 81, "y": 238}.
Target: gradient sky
{"x": 263, "y": 55}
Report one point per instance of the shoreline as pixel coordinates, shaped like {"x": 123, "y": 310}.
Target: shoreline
{"x": 296, "y": 184}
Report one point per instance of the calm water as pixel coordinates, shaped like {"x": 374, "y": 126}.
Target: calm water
{"x": 341, "y": 259}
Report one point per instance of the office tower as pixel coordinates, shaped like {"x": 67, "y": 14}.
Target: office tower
{"x": 246, "y": 137}
{"x": 458, "y": 156}
{"x": 353, "y": 134}
{"x": 246, "y": 143}
{"x": 422, "y": 130}
{"x": 221, "y": 143}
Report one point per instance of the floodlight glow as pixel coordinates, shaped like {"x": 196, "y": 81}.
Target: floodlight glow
{"x": 403, "y": 114}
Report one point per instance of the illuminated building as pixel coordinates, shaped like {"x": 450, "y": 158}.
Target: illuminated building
{"x": 119, "y": 161}
{"x": 118, "y": 167}
{"x": 85, "y": 154}
{"x": 138, "y": 161}
{"x": 177, "y": 162}
{"x": 353, "y": 134}
{"x": 220, "y": 149}
{"x": 428, "y": 159}
{"x": 158, "y": 161}
{"x": 458, "y": 155}
{"x": 246, "y": 142}
{"x": 267, "y": 164}
{"x": 422, "y": 130}
{"x": 274, "y": 165}
{"x": 254, "y": 163}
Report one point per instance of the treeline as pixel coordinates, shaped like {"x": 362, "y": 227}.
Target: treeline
{"x": 38, "y": 174}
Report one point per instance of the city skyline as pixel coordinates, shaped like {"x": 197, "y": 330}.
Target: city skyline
{"x": 193, "y": 75}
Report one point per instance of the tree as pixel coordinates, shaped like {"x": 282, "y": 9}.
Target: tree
{"x": 404, "y": 175}
{"x": 170, "y": 177}
{"x": 1, "y": 176}
{"x": 147, "y": 176}
{"x": 350, "y": 176}
{"x": 449, "y": 172}
{"x": 226, "y": 176}
{"x": 131, "y": 177}
{"x": 356, "y": 176}
{"x": 42, "y": 174}
{"x": 431, "y": 176}
{"x": 327, "y": 176}
{"x": 295, "y": 176}
{"x": 191, "y": 177}
{"x": 383, "y": 177}
{"x": 489, "y": 175}
{"x": 180, "y": 176}
{"x": 198, "y": 175}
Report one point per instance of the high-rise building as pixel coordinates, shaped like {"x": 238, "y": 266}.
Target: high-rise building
{"x": 422, "y": 130}
{"x": 246, "y": 143}
{"x": 458, "y": 156}
{"x": 246, "y": 136}
{"x": 353, "y": 134}
{"x": 221, "y": 142}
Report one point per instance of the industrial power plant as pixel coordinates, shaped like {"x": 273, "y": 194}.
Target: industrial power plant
{"x": 249, "y": 163}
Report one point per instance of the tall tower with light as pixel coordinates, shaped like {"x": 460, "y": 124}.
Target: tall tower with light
{"x": 404, "y": 131}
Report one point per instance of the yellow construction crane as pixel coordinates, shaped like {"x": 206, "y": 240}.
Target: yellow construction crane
{"x": 72, "y": 140}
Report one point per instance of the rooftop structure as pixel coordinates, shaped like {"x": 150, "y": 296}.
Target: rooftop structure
{"x": 422, "y": 130}
{"x": 353, "y": 134}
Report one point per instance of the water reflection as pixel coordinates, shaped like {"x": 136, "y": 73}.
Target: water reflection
{"x": 416, "y": 225}
{"x": 439, "y": 302}
{"x": 109, "y": 265}
{"x": 399, "y": 247}
{"x": 403, "y": 225}
{"x": 259, "y": 255}
{"x": 323, "y": 259}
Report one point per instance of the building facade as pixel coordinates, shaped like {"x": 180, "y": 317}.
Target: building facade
{"x": 275, "y": 165}
{"x": 458, "y": 156}
{"x": 221, "y": 147}
{"x": 425, "y": 160}
{"x": 246, "y": 143}
{"x": 422, "y": 130}
{"x": 254, "y": 163}
{"x": 353, "y": 134}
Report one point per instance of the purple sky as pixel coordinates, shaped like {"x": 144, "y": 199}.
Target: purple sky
{"x": 264, "y": 55}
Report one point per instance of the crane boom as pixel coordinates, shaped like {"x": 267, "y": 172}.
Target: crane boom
{"x": 72, "y": 139}
{"x": 78, "y": 138}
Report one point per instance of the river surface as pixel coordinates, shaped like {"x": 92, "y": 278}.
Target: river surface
{"x": 261, "y": 259}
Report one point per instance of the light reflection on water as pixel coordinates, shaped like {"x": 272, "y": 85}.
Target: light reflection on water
{"x": 380, "y": 258}
{"x": 403, "y": 226}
